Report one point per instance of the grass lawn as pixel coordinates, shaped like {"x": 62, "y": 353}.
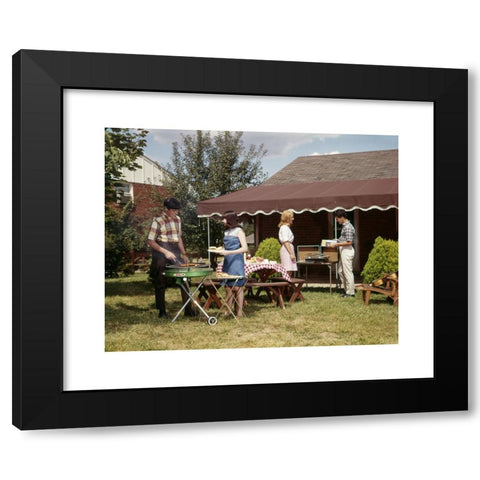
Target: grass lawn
{"x": 132, "y": 324}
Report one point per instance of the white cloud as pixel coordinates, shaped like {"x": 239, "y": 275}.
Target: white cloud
{"x": 277, "y": 144}
{"x": 165, "y": 136}
{"x": 336, "y": 152}
{"x": 280, "y": 144}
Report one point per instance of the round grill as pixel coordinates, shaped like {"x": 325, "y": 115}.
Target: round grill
{"x": 188, "y": 270}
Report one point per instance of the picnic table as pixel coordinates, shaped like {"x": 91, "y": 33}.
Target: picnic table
{"x": 265, "y": 270}
{"x": 275, "y": 287}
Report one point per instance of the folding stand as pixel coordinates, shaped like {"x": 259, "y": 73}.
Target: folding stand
{"x": 217, "y": 295}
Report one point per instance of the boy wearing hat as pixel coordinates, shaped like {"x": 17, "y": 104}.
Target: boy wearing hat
{"x": 165, "y": 240}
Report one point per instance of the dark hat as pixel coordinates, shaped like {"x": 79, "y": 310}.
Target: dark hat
{"x": 171, "y": 203}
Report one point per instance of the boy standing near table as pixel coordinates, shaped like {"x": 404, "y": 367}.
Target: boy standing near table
{"x": 346, "y": 253}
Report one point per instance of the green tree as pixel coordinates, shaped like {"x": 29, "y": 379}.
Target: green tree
{"x": 122, "y": 147}
{"x": 205, "y": 166}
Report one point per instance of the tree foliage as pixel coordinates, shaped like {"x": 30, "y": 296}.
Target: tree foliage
{"x": 120, "y": 238}
{"x": 383, "y": 258}
{"x": 206, "y": 165}
{"x": 122, "y": 147}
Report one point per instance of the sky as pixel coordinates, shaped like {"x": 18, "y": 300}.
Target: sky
{"x": 282, "y": 148}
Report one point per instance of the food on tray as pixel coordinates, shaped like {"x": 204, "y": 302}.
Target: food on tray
{"x": 215, "y": 249}
{"x": 227, "y": 275}
{"x": 256, "y": 260}
{"x": 328, "y": 243}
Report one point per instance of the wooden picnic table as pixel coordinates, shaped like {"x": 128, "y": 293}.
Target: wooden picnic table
{"x": 275, "y": 287}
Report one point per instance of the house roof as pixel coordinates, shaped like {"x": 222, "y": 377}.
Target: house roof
{"x": 360, "y": 180}
{"x": 378, "y": 193}
{"x": 338, "y": 167}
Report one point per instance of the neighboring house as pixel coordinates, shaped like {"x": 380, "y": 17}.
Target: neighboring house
{"x": 364, "y": 183}
{"x": 143, "y": 186}
{"x": 132, "y": 187}
{"x": 149, "y": 172}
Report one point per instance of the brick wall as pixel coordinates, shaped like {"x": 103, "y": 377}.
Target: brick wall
{"x": 308, "y": 228}
{"x": 373, "y": 224}
{"x": 148, "y": 200}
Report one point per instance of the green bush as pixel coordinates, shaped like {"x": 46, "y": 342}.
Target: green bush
{"x": 269, "y": 248}
{"x": 120, "y": 239}
{"x": 383, "y": 258}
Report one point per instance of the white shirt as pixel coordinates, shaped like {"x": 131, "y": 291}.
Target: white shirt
{"x": 285, "y": 234}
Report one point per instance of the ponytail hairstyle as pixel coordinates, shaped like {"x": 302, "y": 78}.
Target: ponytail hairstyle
{"x": 232, "y": 219}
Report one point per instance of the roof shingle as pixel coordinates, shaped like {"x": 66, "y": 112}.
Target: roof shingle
{"x": 338, "y": 167}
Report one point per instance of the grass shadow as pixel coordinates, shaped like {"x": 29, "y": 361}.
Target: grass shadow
{"x": 128, "y": 288}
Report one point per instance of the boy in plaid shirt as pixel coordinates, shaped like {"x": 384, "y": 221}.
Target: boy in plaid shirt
{"x": 346, "y": 253}
{"x": 165, "y": 240}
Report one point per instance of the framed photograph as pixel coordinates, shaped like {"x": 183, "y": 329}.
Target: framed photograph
{"x": 64, "y": 373}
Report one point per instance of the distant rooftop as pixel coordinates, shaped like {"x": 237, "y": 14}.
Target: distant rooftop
{"x": 338, "y": 167}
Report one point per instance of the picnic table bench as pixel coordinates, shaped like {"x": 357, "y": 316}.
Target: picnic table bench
{"x": 293, "y": 290}
{"x": 275, "y": 290}
{"x": 387, "y": 285}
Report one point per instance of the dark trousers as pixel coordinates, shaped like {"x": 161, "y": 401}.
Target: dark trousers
{"x": 159, "y": 280}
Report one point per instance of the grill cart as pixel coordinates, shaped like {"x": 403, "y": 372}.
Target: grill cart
{"x": 182, "y": 274}
{"x": 211, "y": 290}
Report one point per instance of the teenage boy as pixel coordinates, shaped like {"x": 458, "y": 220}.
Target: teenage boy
{"x": 346, "y": 252}
{"x": 165, "y": 240}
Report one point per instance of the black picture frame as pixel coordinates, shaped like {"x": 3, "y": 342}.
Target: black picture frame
{"x": 39, "y": 78}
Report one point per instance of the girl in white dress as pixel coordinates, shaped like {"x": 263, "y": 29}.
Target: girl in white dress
{"x": 285, "y": 235}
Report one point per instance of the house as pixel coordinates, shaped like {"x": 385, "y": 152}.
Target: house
{"x": 363, "y": 183}
{"x": 144, "y": 187}
{"x": 138, "y": 185}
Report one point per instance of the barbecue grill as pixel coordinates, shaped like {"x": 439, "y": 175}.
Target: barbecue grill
{"x": 317, "y": 258}
{"x": 181, "y": 273}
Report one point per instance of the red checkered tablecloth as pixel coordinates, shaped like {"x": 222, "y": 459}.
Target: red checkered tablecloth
{"x": 264, "y": 269}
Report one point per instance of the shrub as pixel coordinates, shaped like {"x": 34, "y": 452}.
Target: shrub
{"x": 269, "y": 248}
{"x": 383, "y": 258}
{"x": 120, "y": 239}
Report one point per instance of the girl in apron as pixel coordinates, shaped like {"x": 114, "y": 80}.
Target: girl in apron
{"x": 235, "y": 245}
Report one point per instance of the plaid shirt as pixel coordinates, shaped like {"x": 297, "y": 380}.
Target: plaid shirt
{"x": 348, "y": 233}
{"x": 165, "y": 229}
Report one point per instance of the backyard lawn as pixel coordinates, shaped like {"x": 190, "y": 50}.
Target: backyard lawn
{"x": 132, "y": 324}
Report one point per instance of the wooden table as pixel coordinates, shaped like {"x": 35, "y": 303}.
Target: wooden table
{"x": 266, "y": 270}
{"x": 322, "y": 264}
{"x": 275, "y": 289}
